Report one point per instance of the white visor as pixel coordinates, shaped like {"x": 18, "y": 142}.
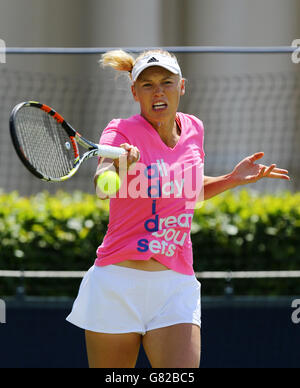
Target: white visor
{"x": 160, "y": 60}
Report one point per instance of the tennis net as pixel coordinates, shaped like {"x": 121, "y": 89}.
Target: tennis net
{"x": 243, "y": 112}
{"x": 214, "y": 283}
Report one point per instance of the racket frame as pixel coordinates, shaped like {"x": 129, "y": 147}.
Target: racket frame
{"x": 75, "y": 139}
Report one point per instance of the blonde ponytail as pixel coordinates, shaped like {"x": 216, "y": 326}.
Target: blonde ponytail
{"x": 118, "y": 60}
{"x": 122, "y": 61}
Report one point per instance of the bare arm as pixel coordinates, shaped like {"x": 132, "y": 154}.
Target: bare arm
{"x": 244, "y": 173}
{"x": 216, "y": 185}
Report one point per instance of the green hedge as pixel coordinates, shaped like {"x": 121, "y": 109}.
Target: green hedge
{"x": 234, "y": 231}
{"x": 247, "y": 231}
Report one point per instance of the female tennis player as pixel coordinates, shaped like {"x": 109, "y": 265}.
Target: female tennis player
{"x": 142, "y": 287}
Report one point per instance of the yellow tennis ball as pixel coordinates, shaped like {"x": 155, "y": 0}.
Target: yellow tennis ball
{"x": 109, "y": 182}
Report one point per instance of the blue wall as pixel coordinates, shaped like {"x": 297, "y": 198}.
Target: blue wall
{"x": 234, "y": 334}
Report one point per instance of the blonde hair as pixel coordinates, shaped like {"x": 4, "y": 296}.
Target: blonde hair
{"x": 122, "y": 61}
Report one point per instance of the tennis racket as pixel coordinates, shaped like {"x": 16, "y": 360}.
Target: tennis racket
{"x": 48, "y": 146}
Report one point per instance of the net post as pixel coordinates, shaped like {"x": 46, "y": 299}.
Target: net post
{"x": 20, "y": 289}
{"x": 229, "y": 289}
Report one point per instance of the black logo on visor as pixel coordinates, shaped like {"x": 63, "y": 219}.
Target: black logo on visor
{"x": 153, "y": 60}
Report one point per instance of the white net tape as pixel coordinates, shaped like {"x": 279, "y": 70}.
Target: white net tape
{"x": 199, "y": 275}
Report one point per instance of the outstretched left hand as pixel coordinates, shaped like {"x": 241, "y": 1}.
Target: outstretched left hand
{"x": 248, "y": 172}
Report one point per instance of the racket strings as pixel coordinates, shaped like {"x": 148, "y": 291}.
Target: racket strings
{"x": 44, "y": 143}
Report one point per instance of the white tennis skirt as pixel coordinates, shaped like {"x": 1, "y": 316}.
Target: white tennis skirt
{"x": 114, "y": 299}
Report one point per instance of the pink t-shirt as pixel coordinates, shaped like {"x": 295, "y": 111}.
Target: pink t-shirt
{"x": 152, "y": 213}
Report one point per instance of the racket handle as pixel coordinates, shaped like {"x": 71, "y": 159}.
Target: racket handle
{"x": 111, "y": 152}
